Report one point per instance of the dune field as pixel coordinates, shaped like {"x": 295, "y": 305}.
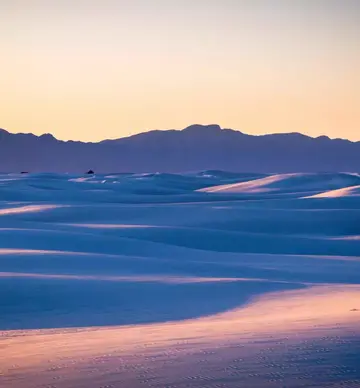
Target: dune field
{"x": 207, "y": 279}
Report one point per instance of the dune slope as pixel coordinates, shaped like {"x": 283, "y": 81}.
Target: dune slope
{"x": 206, "y": 279}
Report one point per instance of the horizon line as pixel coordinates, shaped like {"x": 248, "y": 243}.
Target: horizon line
{"x": 177, "y": 130}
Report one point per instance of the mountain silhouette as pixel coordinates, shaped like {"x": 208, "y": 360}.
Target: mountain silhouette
{"x": 197, "y": 147}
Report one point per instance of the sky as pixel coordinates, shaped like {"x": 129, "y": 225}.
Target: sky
{"x": 95, "y": 69}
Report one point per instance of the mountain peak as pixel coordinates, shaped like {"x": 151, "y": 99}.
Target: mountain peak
{"x": 47, "y": 136}
{"x": 203, "y": 128}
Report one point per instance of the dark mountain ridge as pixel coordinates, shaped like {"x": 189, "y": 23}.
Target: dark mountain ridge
{"x": 197, "y": 147}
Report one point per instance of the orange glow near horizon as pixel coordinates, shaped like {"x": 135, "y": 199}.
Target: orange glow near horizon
{"x": 90, "y": 70}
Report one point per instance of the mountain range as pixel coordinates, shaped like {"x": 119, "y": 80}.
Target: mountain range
{"x": 197, "y": 147}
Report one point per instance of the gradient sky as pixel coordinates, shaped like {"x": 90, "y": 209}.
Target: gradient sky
{"x": 95, "y": 69}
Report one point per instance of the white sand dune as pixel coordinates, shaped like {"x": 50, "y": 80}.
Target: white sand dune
{"x": 27, "y": 209}
{"x": 197, "y": 280}
{"x": 257, "y": 186}
{"x": 288, "y": 182}
{"x": 133, "y": 279}
{"x": 344, "y": 192}
{"x": 136, "y": 354}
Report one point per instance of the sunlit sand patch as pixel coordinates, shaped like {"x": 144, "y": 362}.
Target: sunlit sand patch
{"x": 166, "y": 279}
{"x": 331, "y": 185}
{"x": 14, "y": 203}
{"x": 344, "y": 192}
{"x": 46, "y": 252}
{"x": 14, "y": 251}
{"x": 35, "y": 252}
{"x": 314, "y": 257}
{"x": 346, "y": 238}
{"x": 304, "y": 313}
{"x": 112, "y": 226}
{"x": 29, "y": 209}
{"x": 255, "y": 186}
{"x": 82, "y": 179}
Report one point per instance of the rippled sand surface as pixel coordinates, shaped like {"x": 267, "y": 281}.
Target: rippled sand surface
{"x": 196, "y": 280}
